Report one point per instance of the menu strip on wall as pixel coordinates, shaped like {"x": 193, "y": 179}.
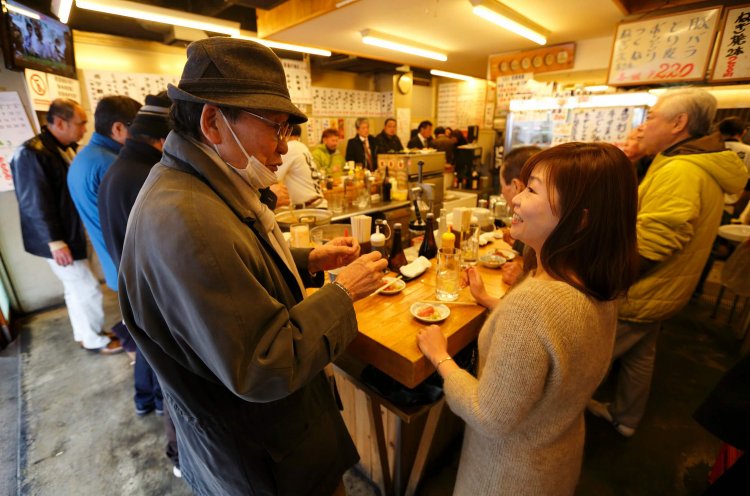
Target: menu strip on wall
{"x": 668, "y": 48}
{"x": 733, "y": 53}
{"x": 14, "y": 130}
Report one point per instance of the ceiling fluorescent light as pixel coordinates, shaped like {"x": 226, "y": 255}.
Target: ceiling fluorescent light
{"x": 22, "y": 11}
{"x": 453, "y": 75}
{"x": 509, "y": 19}
{"x": 284, "y": 46}
{"x": 370, "y": 37}
{"x": 161, "y": 15}
{"x": 61, "y": 8}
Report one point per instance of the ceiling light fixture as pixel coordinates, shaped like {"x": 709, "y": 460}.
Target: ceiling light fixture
{"x": 161, "y": 15}
{"x": 374, "y": 38}
{"x": 509, "y": 19}
{"x": 21, "y": 10}
{"x": 61, "y": 8}
{"x": 453, "y": 75}
{"x": 245, "y": 35}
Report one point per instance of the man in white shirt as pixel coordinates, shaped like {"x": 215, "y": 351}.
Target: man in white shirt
{"x": 299, "y": 174}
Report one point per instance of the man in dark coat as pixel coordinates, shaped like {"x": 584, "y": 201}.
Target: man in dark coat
{"x": 363, "y": 148}
{"x": 215, "y": 298}
{"x": 50, "y": 225}
{"x": 117, "y": 193}
{"x": 388, "y": 141}
{"x": 423, "y": 139}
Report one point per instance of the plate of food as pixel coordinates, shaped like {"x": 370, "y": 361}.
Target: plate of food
{"x": 506, "y": 254}
{"x": 492, "y": 261}
{"x": 395, "y": 287}
{"x": 430, "y": 313}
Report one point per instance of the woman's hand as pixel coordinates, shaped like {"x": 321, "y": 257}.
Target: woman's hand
{"x": 432, "y": 342}
{"x": 334, "y": 254}
{"x": 478, "y": 291}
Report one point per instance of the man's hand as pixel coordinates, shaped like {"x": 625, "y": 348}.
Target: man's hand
{"x": 334, "y": 254}
{"x": 63, "y": 257}
{"x": 282, "y": 194}
{"x": 364, "y": 275}
{"x": 512, "y": 271}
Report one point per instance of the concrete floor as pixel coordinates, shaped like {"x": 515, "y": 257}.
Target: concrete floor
{"x": 79, "y": 435}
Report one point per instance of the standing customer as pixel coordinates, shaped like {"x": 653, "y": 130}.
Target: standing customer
{"x": 117, "y": 194}
{"x": 50, "y": 225}
{"x": 112, "y": 117}
{"x": 680, "y": 201}
{"x": 215, "y": 298}
{"x": 546, "y": 345}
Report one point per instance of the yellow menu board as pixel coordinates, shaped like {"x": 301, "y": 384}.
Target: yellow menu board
{"x": 669, "y": 48}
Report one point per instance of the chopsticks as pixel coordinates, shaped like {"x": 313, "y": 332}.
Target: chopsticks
{"x": 450, "y": 302}
{"x": 385, "y": 286}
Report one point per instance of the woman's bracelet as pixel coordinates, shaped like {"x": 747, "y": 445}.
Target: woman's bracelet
{"x": 437, "y": 365}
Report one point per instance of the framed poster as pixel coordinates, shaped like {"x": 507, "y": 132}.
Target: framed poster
{"x": 668, "y": 48}
{"x": 732, "y": 56}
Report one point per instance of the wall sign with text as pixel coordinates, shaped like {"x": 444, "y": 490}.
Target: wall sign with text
{"x": 733, "y": 53}
{"x": 662, "y": 49}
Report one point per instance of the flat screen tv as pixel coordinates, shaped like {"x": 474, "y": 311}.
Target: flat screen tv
{"x": 32, "y": 40}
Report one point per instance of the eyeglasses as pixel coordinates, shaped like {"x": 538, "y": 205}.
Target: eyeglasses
{"x": 283, "y": 129}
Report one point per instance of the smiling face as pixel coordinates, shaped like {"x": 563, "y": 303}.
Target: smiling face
{"x": 533, "y": 216}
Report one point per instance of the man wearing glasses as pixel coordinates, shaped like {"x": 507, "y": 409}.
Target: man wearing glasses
{"x": 50, "y": 225}
{"x": 215, "y": 298}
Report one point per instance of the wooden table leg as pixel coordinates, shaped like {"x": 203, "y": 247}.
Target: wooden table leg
{"x": 376, "y": 421}
{"x": 425, "y": 443}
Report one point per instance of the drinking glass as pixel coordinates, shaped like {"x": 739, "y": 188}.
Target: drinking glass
{"x": 448, "y": 274}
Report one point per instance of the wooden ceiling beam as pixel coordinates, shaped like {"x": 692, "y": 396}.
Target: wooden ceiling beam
{"x": 291, "y": 13}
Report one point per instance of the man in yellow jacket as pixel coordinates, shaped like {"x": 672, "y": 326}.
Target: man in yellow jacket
{"x": 680, "y": 202}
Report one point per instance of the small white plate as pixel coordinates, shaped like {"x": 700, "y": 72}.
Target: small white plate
{"x": 506, "y": 254}
{"x": 430, "y": 313}
{"x": 394, "y": 288}
{"x": 492, "y": 261}
{"x": 734, "y": 232}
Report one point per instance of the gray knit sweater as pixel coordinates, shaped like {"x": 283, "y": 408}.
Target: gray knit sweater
{"x": 542, "y": 353}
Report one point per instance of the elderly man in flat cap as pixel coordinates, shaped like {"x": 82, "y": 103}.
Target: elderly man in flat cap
{"x": 215, "y": 298}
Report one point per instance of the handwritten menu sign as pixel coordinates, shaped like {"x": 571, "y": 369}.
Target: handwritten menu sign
{"x": 462, "y": 104}
{"x": 663, "y": 49}
{"x": 611, "y": 125}
{"x": 733, "y": 54}
{"x": 351, "y": 103}
{"x": 298, "y": 80}
{"x": 135, "y": 85}
{"x": 14, "y": 130}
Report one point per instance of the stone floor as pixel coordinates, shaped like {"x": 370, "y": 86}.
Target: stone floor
{"x": 78, "y": 434}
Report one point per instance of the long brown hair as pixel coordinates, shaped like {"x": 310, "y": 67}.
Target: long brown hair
{"x": 593, "y": 191}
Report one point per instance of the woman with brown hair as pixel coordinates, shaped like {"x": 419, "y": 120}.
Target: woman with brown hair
{"x": 547, "y": 344}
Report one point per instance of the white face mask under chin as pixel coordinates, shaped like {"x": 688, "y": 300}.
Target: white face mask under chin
{"x": 255, "y": 173}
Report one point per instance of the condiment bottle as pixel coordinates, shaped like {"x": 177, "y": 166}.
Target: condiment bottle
{"x": 448, "y": 241}
{"x": 377, "y": 240}
{"x": 428, "y": 248}
{"x": 397, "y": 259}
{"x": 386, "y": 186}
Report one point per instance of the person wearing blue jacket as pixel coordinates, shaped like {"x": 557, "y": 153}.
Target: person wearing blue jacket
{"x": 112, "y": 117}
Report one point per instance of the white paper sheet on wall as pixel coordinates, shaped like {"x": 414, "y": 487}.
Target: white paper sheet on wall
{"x": 135, "y": 85}
{"x": 15, "y": 128}
{"x": 351, "y": 103}
{"x": 298, "y": 80}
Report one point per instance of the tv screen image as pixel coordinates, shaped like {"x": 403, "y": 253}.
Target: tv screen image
{"x": 35, "y": 41}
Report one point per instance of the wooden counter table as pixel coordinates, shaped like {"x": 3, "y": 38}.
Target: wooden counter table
{"x": 394, "y": 442}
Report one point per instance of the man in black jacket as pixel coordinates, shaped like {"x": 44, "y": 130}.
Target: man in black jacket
{"x": 117, "y": 194}
{"x": 363, "y": 148}
{"x": 50, "y": 225}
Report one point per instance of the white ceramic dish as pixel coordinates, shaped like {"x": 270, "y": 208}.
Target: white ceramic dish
{"x": 734, "y": 232}
{"x": 492, "y": 261}
{"x": 430, "y": 313}
{"x": 506, "y": 254}
{"x": 394, "y": 288}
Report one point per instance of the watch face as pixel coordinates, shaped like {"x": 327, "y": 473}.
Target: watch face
{"x": 525, "y": 62}
{"x": 537, "y": 61}
{"x": 514, "y": 64}
{"x": 549, "y": 59}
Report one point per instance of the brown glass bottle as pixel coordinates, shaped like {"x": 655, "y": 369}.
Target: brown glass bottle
{"x": 396, "y": 259}
{"x": 428, "y": 248}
